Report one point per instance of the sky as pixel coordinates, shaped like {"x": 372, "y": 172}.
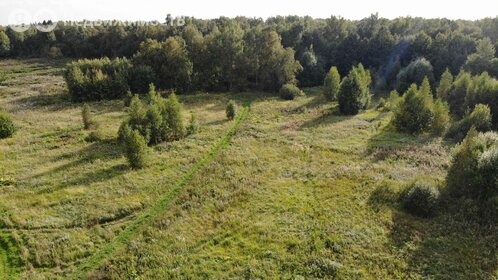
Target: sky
{"x": 29, "y": 11}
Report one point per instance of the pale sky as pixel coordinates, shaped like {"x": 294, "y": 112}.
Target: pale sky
{"x": 28, "y": 11}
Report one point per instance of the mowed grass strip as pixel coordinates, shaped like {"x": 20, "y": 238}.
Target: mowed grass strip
{"x": 155, "y": 210}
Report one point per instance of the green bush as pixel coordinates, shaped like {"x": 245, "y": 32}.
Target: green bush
{"x": 87, "y": 117}
{"x": 414, "y": 113}
{"x": 97, "y": 79}
{"x": 231, "y": 110}
{"x": 7, "y": 127}
{"x": 136, "y": 149}
{"x": 158, "y": 120}
{"x": 289, "y": 92}
{"x": 473, "y": 171}
{"x": 480, "y": 118}
{"x": 354, "y": 93}
{"x": 331, "y": 84}
{"x": 193, "y": 126}
{"x": 421, "y": 198}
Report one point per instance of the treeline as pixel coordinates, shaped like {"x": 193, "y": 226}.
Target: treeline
{"x": 227, "y": 53}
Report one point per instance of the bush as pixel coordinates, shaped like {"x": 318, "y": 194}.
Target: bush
{"x": 136, "y": 149}
{"x": 87, "y": 117}
{"x": 127, "y": 99}
{"x": 157, "y": 121}
{"x": 231, "y": 110}
{"x": 480, "y": 119}
{"x": 7, "y": 127}
{"x": 421, "y": 198}
{"x": 354, "y": 93}
{"x": 193, "y": 126}
{"x": 331, "y": 84}
{"x": 97, "y": 79}
{"x": 289, "y": 92}
{"x": 414, "y": 113}
{"x": 473, "y": 171}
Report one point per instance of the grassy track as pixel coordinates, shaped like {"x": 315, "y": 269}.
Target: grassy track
{"x": 9, "y": 261}
{"x": 150, "y": 214}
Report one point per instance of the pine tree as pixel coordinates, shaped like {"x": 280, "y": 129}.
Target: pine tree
{"x": 354, "y": 93}
{"x": 445, "y": 84}
{"x": 136, "y": 150}
{"x": 173, "y": 119}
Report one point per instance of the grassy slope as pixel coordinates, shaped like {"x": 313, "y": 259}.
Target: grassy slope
{"x": 301, "y": 191}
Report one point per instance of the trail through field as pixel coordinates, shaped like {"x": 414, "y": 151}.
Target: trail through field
{"x": 149, "y": 215}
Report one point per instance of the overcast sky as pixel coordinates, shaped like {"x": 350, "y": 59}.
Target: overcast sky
{"x": 27, "y": 11}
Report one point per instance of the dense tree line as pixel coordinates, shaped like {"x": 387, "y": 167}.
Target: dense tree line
{"x": 231, "y": 54}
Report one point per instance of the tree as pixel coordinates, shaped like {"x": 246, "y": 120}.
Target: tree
{"x": 276, "y": 64}
{"x": 445, "y": 84}
{"x": 4, "y": 44}
{"x": 169, "y": 60}
{"x": 415, "y": 72}
{"x": 414, "y": 113}
{"x": 354, "y": 93}
{"x": 136, "y": 149}
{"x": 231, "y": 110}
{"x": 481, "y": 60}
{"x": 331, "y": 84}
{"x": 173, "y": 118}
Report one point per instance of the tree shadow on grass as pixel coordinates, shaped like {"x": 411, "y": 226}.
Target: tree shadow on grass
{"x": 388, "y": 142}
{"x": 446, "y": 246}
{"x": 98, "y": 151}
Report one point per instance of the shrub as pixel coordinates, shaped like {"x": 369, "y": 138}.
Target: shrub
{"x": 193, "y": 126}
{"x": 289, "y": 92}
{"x": 136, "y": 149}
{"x": 331, "y": 84}
{"x": 414, "y": 113}
{"x": 94, "y": 136}
{"x": 473, "y": 170}
{"x": 354, "y": 93}
{"x": 7, "y": 127}
{"x": 123, "y": 132}
{"x": 87, "y": 117}
{"x": 158, "y": 120}
{"x": 231, "y": 110}
{"x": 421, "y": 198}
{"x": 480, "y": 119}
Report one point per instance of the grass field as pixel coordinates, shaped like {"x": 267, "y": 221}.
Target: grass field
{"x": 290, "y": 190}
